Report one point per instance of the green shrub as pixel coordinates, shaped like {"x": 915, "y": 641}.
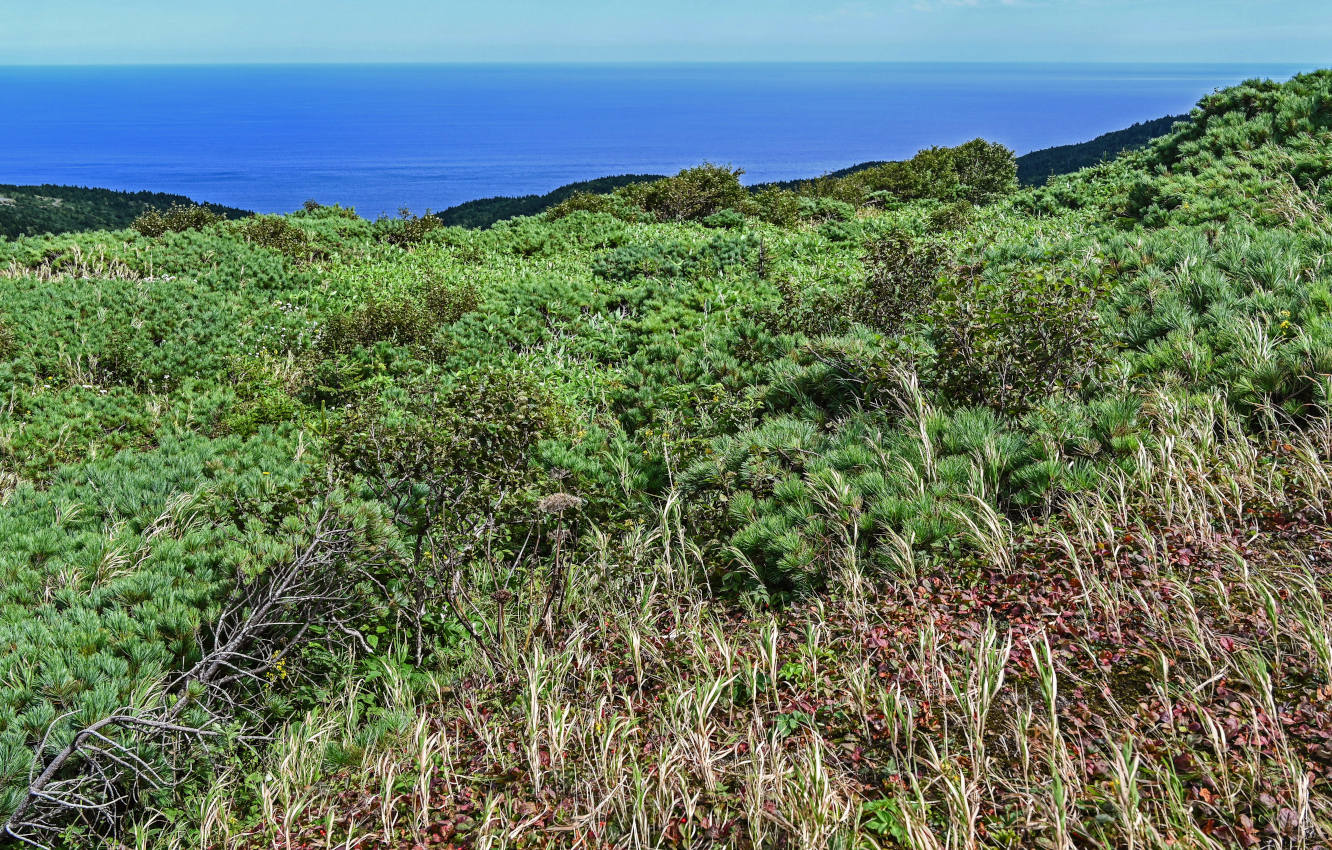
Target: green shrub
{"x": 725, "y": 220}
{"x": 583, "y": 202}
{"x": 449, "y": 460}
{"x": 978, "y": 171}
{"x": 175, "y": 219}
{"x": 276, "y": 233}
{"x": 835, "y": 375}
{"x": 949, "y": 217}
{"x": 116, "y": 360}
{"x": 778, "y": 206}
{"x": 888, "y": 183}
{"x": 820, "y": 210}
{"x": 985, "y": 170}
{"x": 692, "y": 195}
{"x": 1011, "y": 340}
{"x": 840, "y": 231}
{"x": 405, "y": 320}
{"x": 814, "y": 309}
{"x": 901, "y": 281}
{"x": 262, "y": 398}
{"x": 407, "y": 230}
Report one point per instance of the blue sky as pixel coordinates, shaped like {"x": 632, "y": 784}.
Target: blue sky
{"x": 153, "y": 31}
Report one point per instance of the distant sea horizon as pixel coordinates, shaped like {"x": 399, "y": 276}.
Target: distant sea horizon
{"x": 381, "y": 137}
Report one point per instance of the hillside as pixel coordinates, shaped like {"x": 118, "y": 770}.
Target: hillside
{"x": 1038, "y": 166}
{"x": 914, "y": 509}
{"x": 484, "y": 212}
{"x": 34, "y": 210}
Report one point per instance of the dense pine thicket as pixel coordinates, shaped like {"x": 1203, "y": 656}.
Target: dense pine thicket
{"x": 35, "y": 210}
{"x": 906, "y": 508}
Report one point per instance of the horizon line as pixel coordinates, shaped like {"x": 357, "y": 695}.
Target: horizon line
{"x": 664, "y": 62}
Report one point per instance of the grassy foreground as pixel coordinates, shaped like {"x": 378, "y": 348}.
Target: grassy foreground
{"x": 909, "y": 509}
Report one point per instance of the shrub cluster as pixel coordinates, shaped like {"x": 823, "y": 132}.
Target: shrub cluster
{"x": 954, "y": 216}
{"x": 405, "y": 320}
{"x": 978, "y": 172}
{"x": 1009, "y": 341}
{"x": 407, "y": 230}
{"x": 692, "y": 195}
{"x": 175, "y": 219}
{"x": 901, "y": 281}
{"x": 278, "y": 234}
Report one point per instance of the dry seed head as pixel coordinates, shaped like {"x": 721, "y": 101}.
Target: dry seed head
{"x": 558, "y": 503}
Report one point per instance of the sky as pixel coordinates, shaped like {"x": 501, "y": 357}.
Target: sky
{"x": 45, "y": 32}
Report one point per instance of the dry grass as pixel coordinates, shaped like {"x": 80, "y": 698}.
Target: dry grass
{"x": 1151, "y": 670}
{"x": 76, "y": 264}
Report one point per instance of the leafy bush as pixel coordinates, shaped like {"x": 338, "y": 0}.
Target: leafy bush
{"x": 444, "y": 459}
{"x": 822, "y": 209}
{"x": 406, "y": 320}
{"x": 583, "y": 202}
{"x": 985, "y": 170}
{"x": 407, "y": 230}
{"x": 175, "y": 219}
{"x": 813, "y": 310}
{"x": 840, "y": 231}
{"x": 262, "y": 398}
{"x": 954, "y": 216}
{"x": 777, "y": 206}
{"x": 725, "y": 220}
{"x": 978, "y": 171}
{"x": 901, "y": 281}
{"x": 277, "y": 234}
{"x": 692, "y": 195}
{"x": 1008, "y": 343}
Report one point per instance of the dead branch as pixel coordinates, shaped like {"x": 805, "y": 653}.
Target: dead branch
{"x": 108, "y": 764}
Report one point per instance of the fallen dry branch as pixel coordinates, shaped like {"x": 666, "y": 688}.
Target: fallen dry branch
{"x": 109, "y": 764}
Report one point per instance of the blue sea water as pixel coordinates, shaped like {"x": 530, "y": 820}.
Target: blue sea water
{"x": 382, "y": 137}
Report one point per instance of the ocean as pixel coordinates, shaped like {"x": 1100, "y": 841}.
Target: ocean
{"x": 384, "y": 137}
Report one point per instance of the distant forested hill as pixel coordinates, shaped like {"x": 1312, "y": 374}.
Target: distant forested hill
{"x": 32, "y": 210}
{"x": 1036, "y": 167}
{"x": 793, "y": 185}
{"x": 486, "y": 211}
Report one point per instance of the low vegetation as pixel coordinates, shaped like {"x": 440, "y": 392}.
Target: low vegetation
{"x": 901, "y": 508}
